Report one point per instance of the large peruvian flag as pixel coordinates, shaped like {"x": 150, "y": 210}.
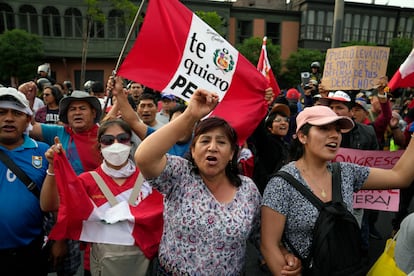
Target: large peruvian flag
{"x": 81, "y": 218}
{"x": 263, "y": 65}
{"x": 176, "y": 52}
{"x": 404, "y": 77}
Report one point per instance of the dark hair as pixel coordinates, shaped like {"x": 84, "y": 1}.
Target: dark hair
{"x": 178, "y": 108}
{"x": 148, "y": 96}
{"x": 57, "y": 94}
{"x": 272, "y": 116}
{"x": 296, "y": 147}
{"x": 107, "y": 124}
{"x": 232, "y": 170}
{"x": 97, "y": 87}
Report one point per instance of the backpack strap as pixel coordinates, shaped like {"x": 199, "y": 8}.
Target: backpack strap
{"x": 110, "y": 196}
{"x": 104, "y": 188}
{"x": 31, "y": 186}
{"x": 336, "y": 182}
{"x": 301, "y": 188}
{"x": 136, "y": 190}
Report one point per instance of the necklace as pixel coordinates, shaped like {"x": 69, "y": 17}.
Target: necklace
{"x": 313, "y": 182}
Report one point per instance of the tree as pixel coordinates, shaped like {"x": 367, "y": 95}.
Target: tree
{"x": 400, "y": 48}
{"x": 20, "y": 53}
{"x": 95, "y": 15}
{"x": 251, "y": 48}
{"x": 298, "y": 62}
{"x": 214, "y": 20}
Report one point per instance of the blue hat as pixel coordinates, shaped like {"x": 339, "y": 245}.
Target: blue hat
{"x": 167, "y": 96}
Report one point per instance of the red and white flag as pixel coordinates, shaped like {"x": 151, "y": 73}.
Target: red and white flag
{"x": 263, "y": 65}
{"x": 404, "y": 77}
{"x": 176, "y": 52}
{"x": 81, "y": 218}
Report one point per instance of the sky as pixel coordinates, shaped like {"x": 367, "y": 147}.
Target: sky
{"x": 398, "y": 3}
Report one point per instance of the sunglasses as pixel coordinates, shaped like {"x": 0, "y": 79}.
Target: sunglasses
{"x": 278, "y": 120}
{"x": 122, "y": 138}
{"x": 47, "y": 95}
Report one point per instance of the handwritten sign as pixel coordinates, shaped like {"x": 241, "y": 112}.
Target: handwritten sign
{"x": 354, "y": 67}
{"x": 384, "y": 200}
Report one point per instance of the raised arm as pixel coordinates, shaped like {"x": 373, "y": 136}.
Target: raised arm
{"x": 150, "y": 155}
{"x": 49, "y": 198}
{"x": 122, "y": 104}
{"x": 400, "y": 176}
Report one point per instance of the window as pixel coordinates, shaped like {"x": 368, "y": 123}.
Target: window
{"x": 320, "y": 20}
{"x": 373, "y": 30}
{"x": 382, "y": 30}
{"x": 273, "y": 32}
{"x": 365, "y": 28}
{"x": 73, "y": 23}
{"x": 28, "y": 19}
{"x": 310, "y": 24}
{"x": 328, "y": 27}
{"x": 347, "y": 27}
{"x": 390, "y": 31}
{"x": 51, "y": 22}
{"x": 356, "y": 27}
{"x": 6, "y": 18}
{"x": 116, "y": 24}
{"x": 409, "y": 28}
{"x": 245, "y": 30}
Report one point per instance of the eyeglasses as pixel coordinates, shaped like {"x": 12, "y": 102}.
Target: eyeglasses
{"x": 122, "y": 138}
{"x": 47, "y": 95}
{"x": 284, "y": 119}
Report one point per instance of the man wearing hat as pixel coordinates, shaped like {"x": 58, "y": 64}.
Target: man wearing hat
{"x": 80, "y": 113}
{"x": 168, "y": 102}
{"x": 21, "y": 219}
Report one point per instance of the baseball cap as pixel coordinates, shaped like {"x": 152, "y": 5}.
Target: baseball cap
{"x": 320, "y": 115}
{"x": 362, "y": 103}
{"x": 279, "y": 107}
{"x": 339, "y": 96}
{"x": 13, "y": 99}
{"x": 167, "y": 96}
{"x": 292, "y": 94}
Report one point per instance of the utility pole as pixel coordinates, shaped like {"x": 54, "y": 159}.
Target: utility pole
{"x": 338, "y": 24}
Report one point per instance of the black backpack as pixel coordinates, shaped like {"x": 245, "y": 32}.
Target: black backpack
{"x": 336, "y": 243}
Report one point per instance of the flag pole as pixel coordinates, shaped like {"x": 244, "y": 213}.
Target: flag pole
{"x": 131, "y": 29}
{"x": 133, "y": 25}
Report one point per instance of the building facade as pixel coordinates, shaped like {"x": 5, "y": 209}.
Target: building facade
{"x": 301, "y": 23}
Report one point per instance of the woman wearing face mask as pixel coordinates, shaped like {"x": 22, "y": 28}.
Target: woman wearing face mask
{"x": 125, "y": 222}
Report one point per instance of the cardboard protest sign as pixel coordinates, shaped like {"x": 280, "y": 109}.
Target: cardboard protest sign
{"x": 354, "y": 67}
{"x": 384, "y": 200}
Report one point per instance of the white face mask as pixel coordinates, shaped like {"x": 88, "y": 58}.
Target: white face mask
{"x": 116, "y": 154}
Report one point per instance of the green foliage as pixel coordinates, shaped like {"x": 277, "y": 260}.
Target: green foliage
{"x": 251, "y": 48}
{"x": 214, "y": 20}
{"x": 94, "y": 11}
{"x": 20, "y": 54}
{"x": 128, "y": 8}
{"x": 298, "y": 62}
{"x": 400, "y": 48}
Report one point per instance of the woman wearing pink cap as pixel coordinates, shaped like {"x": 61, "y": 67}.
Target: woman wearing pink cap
{"x": 287, "y": 213}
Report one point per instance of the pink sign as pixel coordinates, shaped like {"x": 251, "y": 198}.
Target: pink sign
{"x": 384, "y": 200}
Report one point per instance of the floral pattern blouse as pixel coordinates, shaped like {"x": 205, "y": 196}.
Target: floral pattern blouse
{"x": 202, "y": 236}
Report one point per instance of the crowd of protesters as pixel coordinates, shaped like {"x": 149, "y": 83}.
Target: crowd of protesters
{"x": 217, "y": 196}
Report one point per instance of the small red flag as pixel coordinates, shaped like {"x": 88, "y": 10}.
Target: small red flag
{"x": 263, "y": 65}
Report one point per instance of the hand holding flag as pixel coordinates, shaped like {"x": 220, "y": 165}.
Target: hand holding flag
{"x": 185, "y": 54}
{"x": 263, "y": 65}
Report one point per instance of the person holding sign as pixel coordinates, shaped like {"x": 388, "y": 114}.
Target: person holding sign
{"x": 319, "y": 136}
{"x": 210, "y": 209}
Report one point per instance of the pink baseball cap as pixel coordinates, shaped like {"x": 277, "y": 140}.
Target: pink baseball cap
{"x": 320, "y": 115}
